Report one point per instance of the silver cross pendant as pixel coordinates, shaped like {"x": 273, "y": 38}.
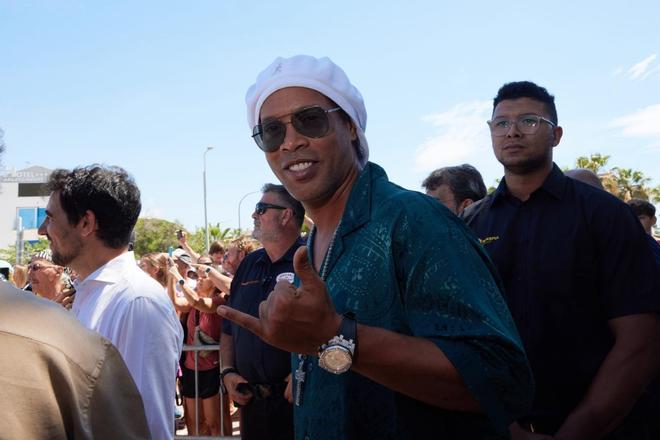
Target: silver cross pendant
{"x": 300, "y": 379}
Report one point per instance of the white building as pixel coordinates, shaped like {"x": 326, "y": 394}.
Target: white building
{"x": 22, "y": 196}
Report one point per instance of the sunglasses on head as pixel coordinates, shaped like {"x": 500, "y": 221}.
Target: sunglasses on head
{"x": 261, "y": 207}
{"x": 311, "y": 122}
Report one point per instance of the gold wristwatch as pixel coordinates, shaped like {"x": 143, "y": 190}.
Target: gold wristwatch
{"x": 336, "y": 356}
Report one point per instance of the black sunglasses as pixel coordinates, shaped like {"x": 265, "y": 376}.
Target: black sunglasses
{"x": 261, "y": 207}
{"x": 311, "y": 122}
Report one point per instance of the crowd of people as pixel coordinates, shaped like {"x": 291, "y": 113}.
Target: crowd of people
{"x": 527, "y": 313}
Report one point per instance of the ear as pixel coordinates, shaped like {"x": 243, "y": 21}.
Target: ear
{"x": 464, "y": 204}
{"x": 287, "y": 214}
{"x": 87, "y": 224}
{"x": 557, "y": 133}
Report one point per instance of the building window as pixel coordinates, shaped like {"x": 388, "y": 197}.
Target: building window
{"x": 32, "y": 190}
{"x": 31, "y": 218}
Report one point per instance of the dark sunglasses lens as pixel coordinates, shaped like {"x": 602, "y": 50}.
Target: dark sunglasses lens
{"x": 260, "y": 209}
{"x": 269, "y": 136}
{"x": 311, "y": 122}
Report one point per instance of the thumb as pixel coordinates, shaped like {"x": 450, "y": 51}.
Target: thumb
{"x": 304, "y": 269}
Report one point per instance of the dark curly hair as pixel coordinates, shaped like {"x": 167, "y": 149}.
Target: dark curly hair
{"x": 109, "y": 192}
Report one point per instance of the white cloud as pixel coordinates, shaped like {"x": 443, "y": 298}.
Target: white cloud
{"x": 462, "y": 133}
{"x": 642, "y": 123}
{"x": 644, "y": 68}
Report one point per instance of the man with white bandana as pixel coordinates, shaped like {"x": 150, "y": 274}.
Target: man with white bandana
{"x": 396, "y": 317}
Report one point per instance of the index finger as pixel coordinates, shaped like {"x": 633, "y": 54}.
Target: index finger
{"x": 246, "y": 321}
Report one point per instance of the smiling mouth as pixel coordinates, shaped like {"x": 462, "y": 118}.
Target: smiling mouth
{"x": 300, "y": 166}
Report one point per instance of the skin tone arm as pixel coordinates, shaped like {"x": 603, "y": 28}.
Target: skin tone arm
{"x": 222, "y": 282}
{"x": 630, "y": 365}
{"x": 180, "y": 304}
{"x": 628, "y": 368}
{"x": 300, "y": 320}
{"x": 200, "y": 303}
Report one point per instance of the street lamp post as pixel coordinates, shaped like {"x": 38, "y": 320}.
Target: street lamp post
{"x": 206, "y": 221}
{"x": 239, "y": 207}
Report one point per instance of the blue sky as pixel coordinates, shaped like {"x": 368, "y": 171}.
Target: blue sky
{"x": 149, "y": 85}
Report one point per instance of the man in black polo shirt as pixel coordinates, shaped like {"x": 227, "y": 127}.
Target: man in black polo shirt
{"x": 254, "y": 373}
{"x": 579, "y": 279}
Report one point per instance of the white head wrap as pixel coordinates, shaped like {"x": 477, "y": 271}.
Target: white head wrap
{"x": 319, "y": 74}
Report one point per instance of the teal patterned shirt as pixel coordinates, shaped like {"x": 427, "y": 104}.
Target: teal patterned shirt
{"x": 403, "y": 262}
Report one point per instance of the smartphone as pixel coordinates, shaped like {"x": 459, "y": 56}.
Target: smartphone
{"x": 179, "y": 234}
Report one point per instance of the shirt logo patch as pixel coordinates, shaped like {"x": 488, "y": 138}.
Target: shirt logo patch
{"x": 247, "y": 283}
{"x": 285, "y": 276}
{"x": 485, "y": 241}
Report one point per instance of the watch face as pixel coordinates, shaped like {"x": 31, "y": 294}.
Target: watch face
{"x": 335, "y": 359}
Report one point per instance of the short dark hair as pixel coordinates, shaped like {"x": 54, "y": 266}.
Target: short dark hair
{"x": 355, "y": 142}
{"x": 642, "y": 207}
{"x": 109, "y": 192}
{"x": 527, "y": 89}
{"x": 287, "y": 199}
{"x": 464, "y": 181}
{"x": 215, "y": 247}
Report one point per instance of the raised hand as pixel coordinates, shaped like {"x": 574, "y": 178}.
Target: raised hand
{"x": 293, "y": 319}
{"x": 66, "y": 297}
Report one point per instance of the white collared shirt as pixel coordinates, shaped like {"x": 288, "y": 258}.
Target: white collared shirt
{"x": 128, "y": 307}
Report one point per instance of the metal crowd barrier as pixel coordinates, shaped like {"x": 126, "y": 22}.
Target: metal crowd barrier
{"x": 197, "y": 349}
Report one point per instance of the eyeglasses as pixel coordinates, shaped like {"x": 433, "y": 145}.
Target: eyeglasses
{"x": 261, "y": 207}
{"x": 36, "y": 267}
{"x": 527, "y": 124}
{"x": 311, "y": 122}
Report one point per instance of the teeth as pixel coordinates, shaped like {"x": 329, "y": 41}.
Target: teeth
{"x": 300, "y": 166}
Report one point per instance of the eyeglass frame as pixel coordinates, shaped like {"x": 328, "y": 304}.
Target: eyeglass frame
{"x": 257, "y": 130}
{"x": 517, "y": 121}
{"x": 36, "y": 267}
{"x": 261, "y": 207}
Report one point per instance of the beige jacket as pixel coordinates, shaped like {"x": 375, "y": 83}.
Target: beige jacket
{"x": 60, "y": 380}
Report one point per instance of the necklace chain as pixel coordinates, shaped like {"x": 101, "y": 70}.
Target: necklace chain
{"x": 302, "y": 358}
{"x": 326, "y": 261}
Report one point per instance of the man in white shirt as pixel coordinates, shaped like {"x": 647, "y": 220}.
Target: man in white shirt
{"x": 90, "y": 215}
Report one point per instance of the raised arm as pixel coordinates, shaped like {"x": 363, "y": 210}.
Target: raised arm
{"x": 221, "y": 281}
{"x": 181, "y": 304}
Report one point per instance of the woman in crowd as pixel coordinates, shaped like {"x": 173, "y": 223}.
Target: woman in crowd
{"x": 203, "y": 325}
{"x": 155, "y": 265}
